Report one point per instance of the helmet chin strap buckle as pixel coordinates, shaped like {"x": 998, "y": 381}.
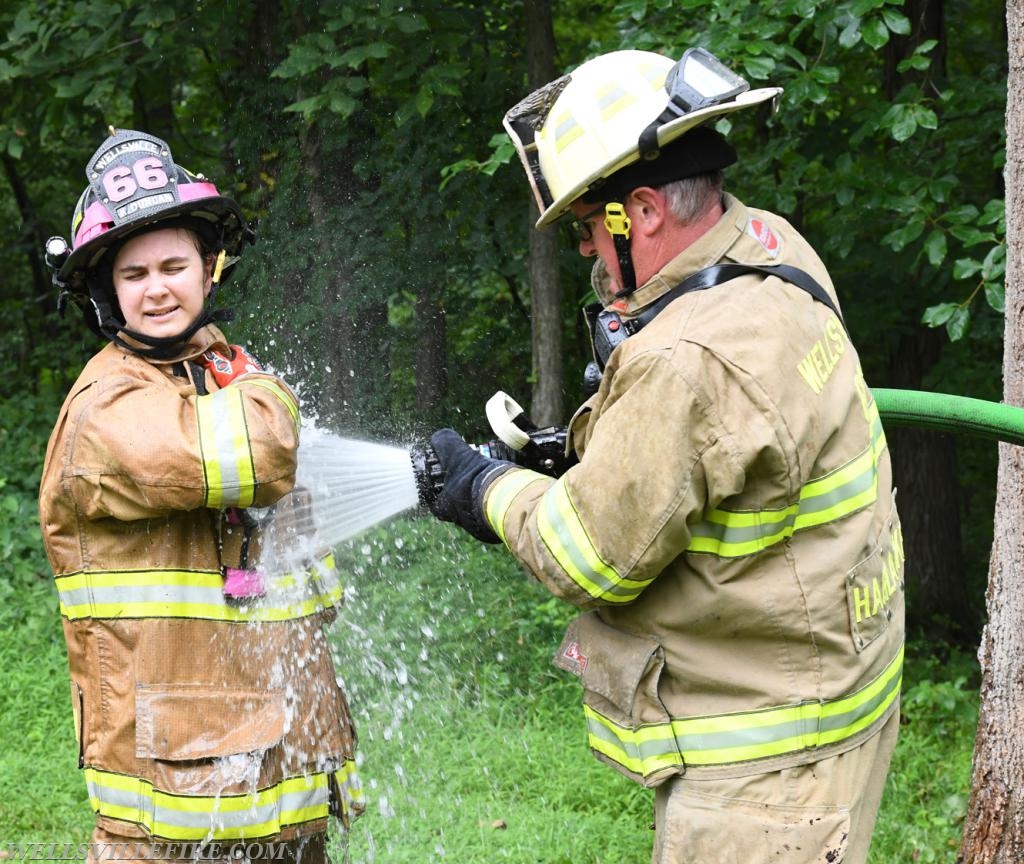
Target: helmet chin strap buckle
{"x": 618, "y": 225}
{"x": 219, "y": 267}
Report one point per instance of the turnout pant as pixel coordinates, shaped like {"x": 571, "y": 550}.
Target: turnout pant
{"x": 822, "y": 813}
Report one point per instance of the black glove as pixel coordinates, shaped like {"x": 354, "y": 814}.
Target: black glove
{"x": 467, "y": 474}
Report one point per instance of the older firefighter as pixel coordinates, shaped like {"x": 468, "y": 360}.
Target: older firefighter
{"x": 204, "y": 693}
{"x": 730, "y": 527}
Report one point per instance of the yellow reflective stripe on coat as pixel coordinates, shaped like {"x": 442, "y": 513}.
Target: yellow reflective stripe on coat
{"x": 279, "y": 392}
{"x": 261, "y": 813}
{"x": 351, "y": 788}
{"x": 851, "y": 487}
{"x": 744, "y": 736}
{"x": 230, "y": 474}
{"x": 193, "y": 594}
{"x": 570, "y": 545}
{"x": 502, "y": 493}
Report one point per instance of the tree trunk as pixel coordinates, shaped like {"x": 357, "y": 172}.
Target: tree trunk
{"x": 545, "y": 287}
{"x": 925, "y": 470}
{"x": 431, "y": 354}
{"x": 994, "y": 829}
{"x": 925, "y": 464}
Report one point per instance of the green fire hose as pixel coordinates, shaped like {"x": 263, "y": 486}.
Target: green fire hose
{"x": 944, "y": 412}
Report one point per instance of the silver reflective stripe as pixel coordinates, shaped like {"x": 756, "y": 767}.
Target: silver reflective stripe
{"x": 194, "y": 594}
{"x": 226, "y": 454}
{"x": 744, "y": 736}
{"x": 259, "y": 813}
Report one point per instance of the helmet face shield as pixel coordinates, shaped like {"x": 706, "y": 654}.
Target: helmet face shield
{"x": 522, "y": 122}
{"x": 614, "y": 110}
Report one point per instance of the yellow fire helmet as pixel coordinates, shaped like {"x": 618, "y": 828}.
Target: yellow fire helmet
{"x": 616, "y": 110}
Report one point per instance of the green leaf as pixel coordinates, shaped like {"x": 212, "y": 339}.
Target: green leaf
{"x": 995, "y": 211}
{"x": 825, "y": 74}
{"x": 915, "y": 63}
{"x": 965, "y": 268}
{"x": 342, "y": 105}
{"x": 850, "y": 35}
{"x": 905, "y": 234}
{"x": 962, "y": 215}
{"x": 307, "y": 107}
{"x": 995, "y": 295}
{"x": 905, "y": 124}
{"x": 896, "y": 21}
{"x": 860, "y": 8}
{"x": 958, "y": 323}
{"x": 936, "y": 316}
{"x": 935, "y": 247}
{"x": 875, "y": 33}
{"x": 424, "y": 101}
{"x": 758, "y": 67}
{"x": 925, "y": 117}
{"x": 994, "y": 265}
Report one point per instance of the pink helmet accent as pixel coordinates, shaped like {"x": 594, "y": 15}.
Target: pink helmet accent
{"x": 97, "y": 219}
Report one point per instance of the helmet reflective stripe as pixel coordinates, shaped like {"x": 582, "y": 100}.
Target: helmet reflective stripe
{"x": 612, "y": 99}
{"x": 292, "y": 801}
{"x": 658, "y": 748}
{"x": 193, "y": 594}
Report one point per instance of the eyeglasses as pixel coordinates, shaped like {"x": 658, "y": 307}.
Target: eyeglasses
{"x": 581, "y": 227}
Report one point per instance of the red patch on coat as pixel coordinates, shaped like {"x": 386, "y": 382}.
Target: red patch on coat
{"x": 764, "y": 235}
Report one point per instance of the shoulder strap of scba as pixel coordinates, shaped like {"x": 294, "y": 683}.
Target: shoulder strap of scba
{"x": 608, "y": 329}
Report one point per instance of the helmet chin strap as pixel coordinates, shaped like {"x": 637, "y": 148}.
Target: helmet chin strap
{"x": 618, "y": 225}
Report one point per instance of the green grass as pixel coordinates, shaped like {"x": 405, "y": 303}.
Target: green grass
{"x": 472, "y": 746}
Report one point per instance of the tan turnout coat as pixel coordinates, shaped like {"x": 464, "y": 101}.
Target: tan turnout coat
{"x": 198, "y": 717}
{"x": 730, "y": 529}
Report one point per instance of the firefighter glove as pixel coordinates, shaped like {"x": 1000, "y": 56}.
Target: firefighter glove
{"x": 467, "y": 474}
{"x": 226, "y": 369}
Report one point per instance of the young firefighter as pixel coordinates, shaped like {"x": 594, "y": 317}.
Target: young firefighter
{"x": 205, "y": 697}
{"x": 730, "y": 528}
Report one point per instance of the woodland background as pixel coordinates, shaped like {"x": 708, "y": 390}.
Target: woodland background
{"x": 396, "y": 278}
{"x": 396, "y": 275}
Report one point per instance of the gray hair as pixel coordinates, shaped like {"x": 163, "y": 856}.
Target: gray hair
{"x": 690, "y": 198}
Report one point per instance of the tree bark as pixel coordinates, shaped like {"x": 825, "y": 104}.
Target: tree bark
{"x": 545, "y": 286}
{"x": 994, "y": 828}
